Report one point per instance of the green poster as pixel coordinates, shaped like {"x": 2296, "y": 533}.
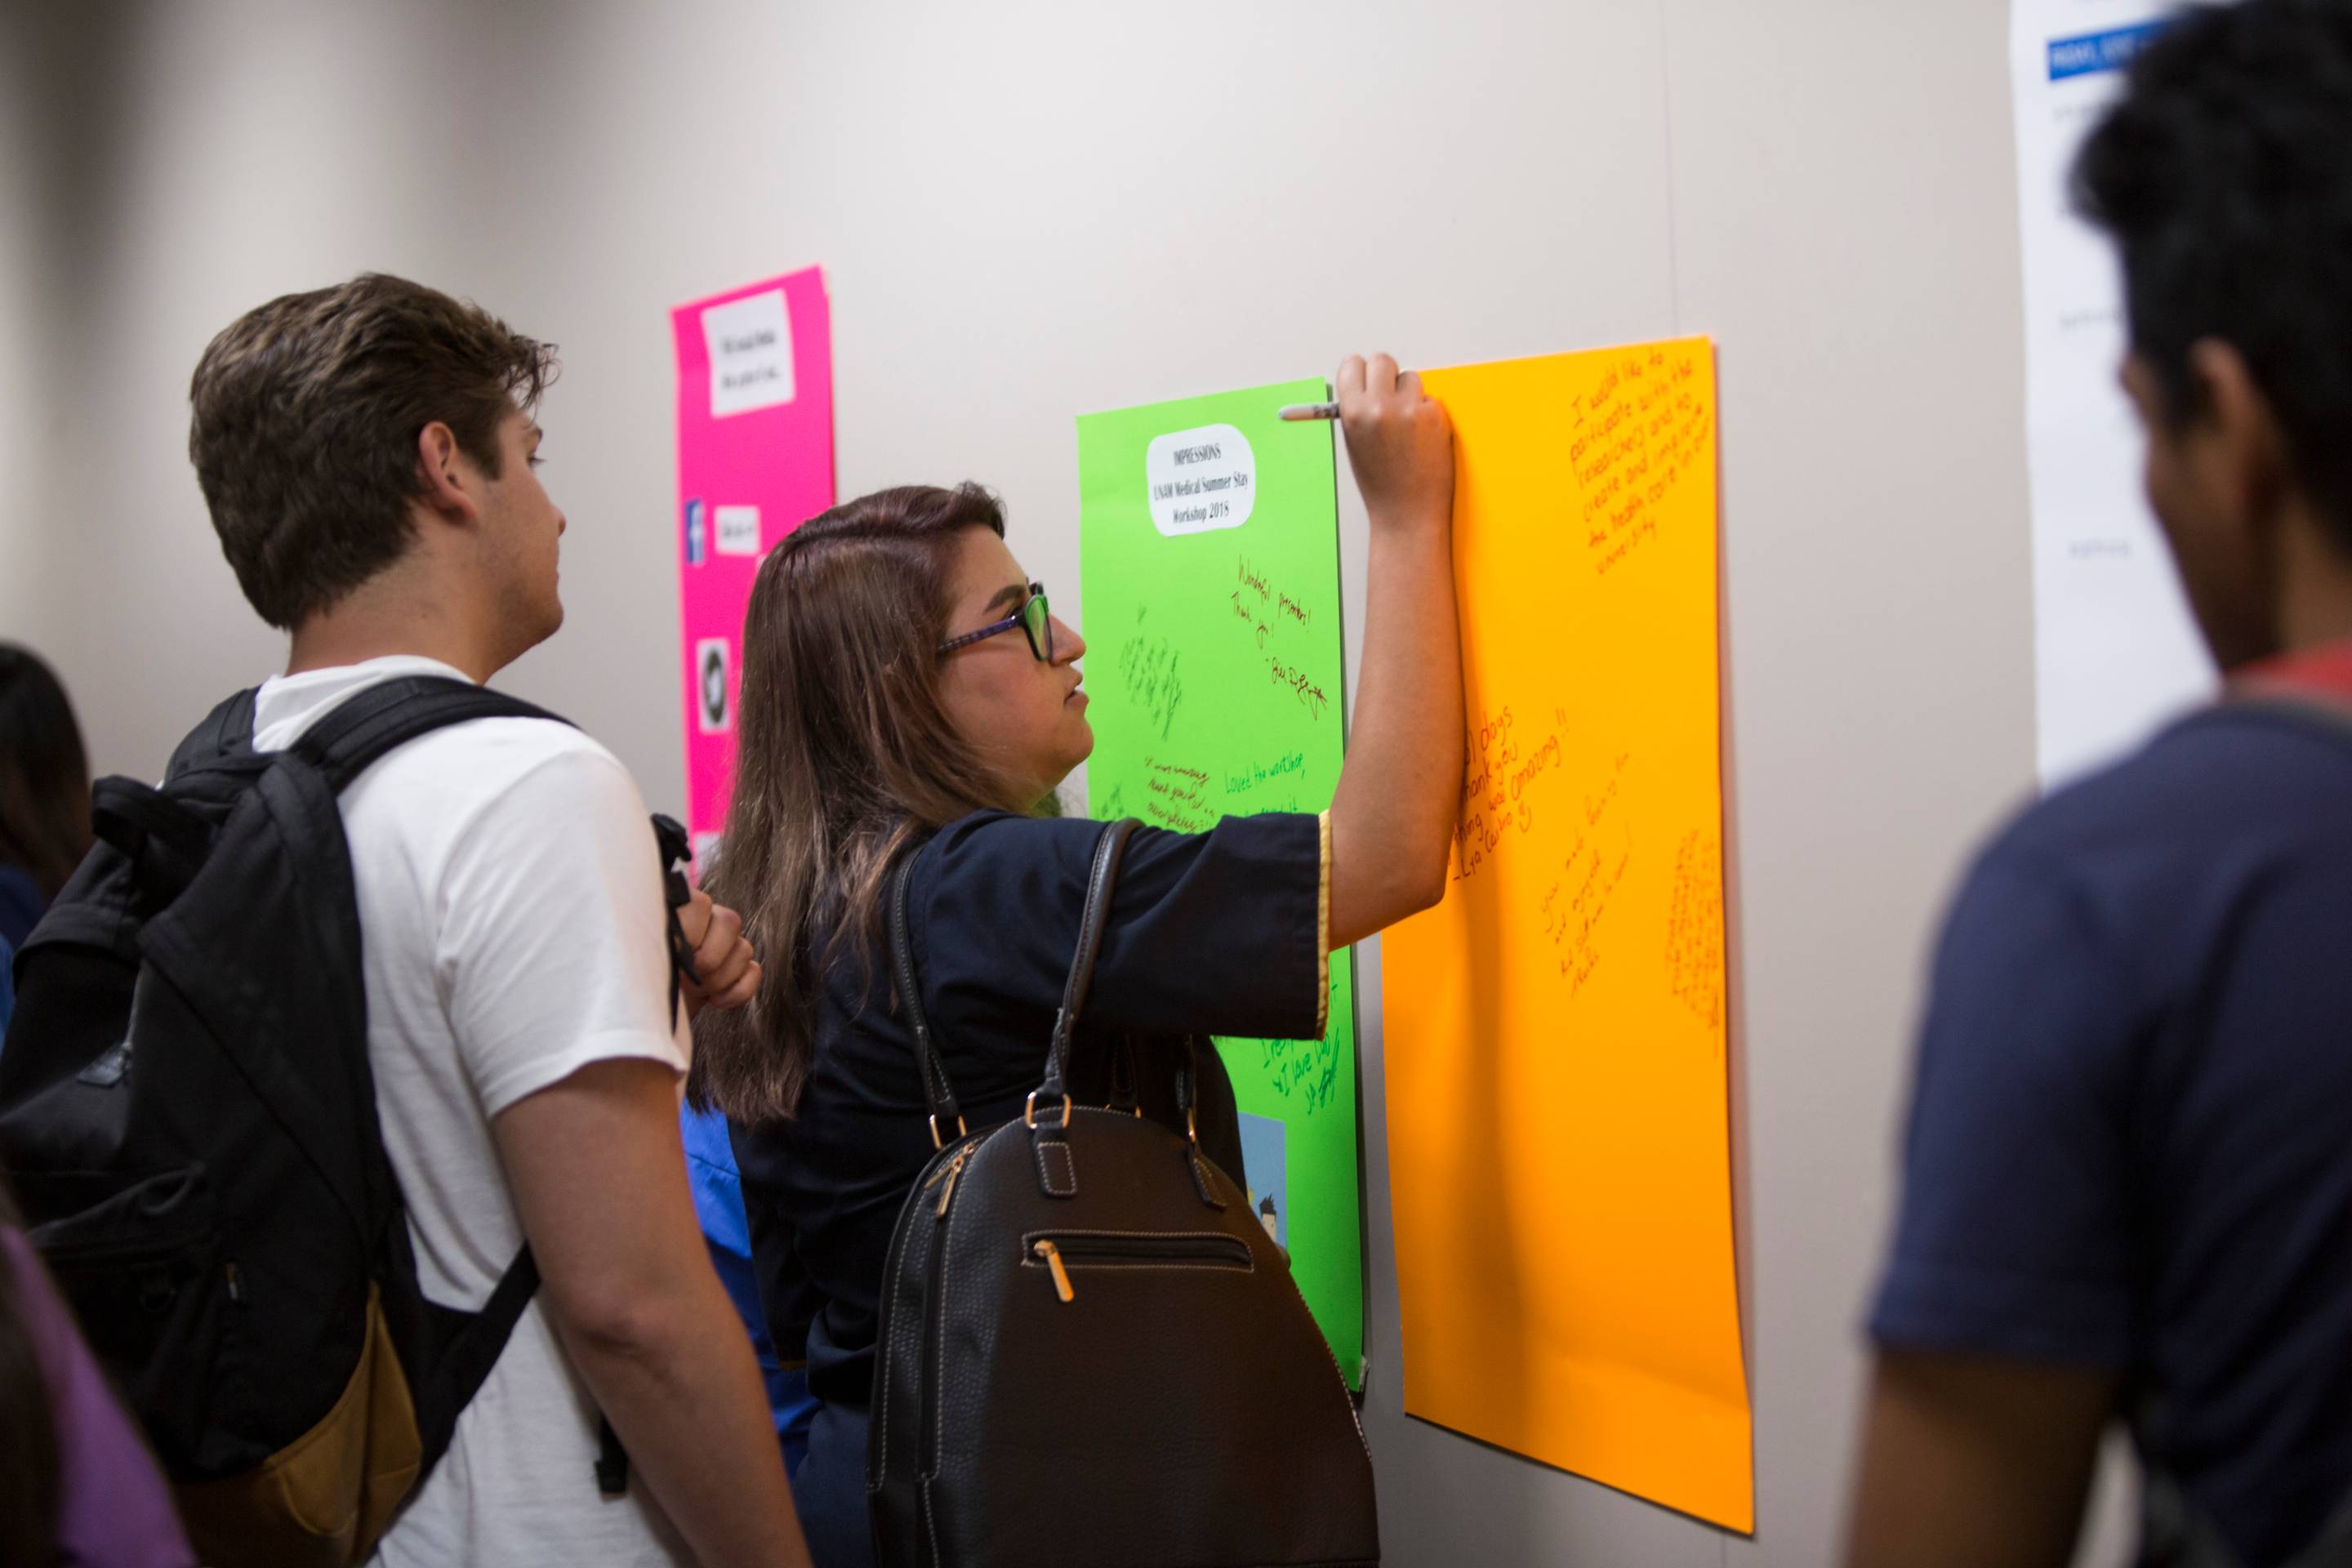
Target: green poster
{"x": 1208, "y": 543}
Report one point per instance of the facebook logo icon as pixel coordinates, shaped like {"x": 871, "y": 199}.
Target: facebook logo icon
{"x": 698, "y": 534}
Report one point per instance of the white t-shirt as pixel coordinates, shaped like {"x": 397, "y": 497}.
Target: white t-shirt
{"x": 511, "y": 917}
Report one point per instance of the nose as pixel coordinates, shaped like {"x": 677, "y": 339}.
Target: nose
{"x": 1068, "y": 646}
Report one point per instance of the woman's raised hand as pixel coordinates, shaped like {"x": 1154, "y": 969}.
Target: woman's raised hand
{"x": 1400, "y": 444}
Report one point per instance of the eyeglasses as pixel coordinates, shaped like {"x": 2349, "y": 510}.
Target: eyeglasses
{"x": 1034, "y": 617}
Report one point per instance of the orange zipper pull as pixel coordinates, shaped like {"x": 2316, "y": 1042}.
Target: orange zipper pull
{"x": 1053, "y": 1257}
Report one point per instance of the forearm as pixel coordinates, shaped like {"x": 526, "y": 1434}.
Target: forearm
{"x": 682, "y": 1391}
{"x": 1394, "y": 813}
{"x": 599, "y": 1177}
{"x": 1969, "y": 1462}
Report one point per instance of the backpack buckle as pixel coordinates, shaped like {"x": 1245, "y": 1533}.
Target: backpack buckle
{"x": 611, "y": 1462}
{"x": 157, "y": 1291}
{"x": 675, "y": 843}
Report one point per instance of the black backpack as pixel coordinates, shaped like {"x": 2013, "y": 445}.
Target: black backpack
{"x": 1089, "y": 1350}
{"x": 188, "y": 1118}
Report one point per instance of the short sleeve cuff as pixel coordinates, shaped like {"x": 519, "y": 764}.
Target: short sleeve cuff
{"x": 1211, "y": 933}
{"x": 2011, "y": 1317}
{"x": 545, "y": 1071}
{"x": 1323, "y": 931}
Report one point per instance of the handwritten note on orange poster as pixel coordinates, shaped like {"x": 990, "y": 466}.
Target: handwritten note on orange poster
{"x": 1558, "y": 1126}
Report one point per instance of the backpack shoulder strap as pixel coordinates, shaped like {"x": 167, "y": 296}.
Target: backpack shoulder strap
{"x": 465, "y": 1361}
{"x": 358, "y": 732}
{"x": 225, "y": 731}
{"x": 352, "y": 737}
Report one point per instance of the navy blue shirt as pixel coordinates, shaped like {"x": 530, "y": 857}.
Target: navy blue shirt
{"x": 21, "y": 904}
{"x": 2130, "y": 1146}
{"x": 1211, "y": 933}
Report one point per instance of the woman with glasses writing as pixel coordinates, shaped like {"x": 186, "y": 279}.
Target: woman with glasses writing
{"x": 909, "y": 691}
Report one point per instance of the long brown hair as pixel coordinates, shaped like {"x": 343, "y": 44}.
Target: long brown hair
{"x": 44, "y": 772}
{"x": 843, "y": 755}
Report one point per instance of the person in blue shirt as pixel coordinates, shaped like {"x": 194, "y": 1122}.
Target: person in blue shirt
{"x": 2127, "y": 1176}
{"x": 43, "y": 791}
{"x": 719, "y": 1207}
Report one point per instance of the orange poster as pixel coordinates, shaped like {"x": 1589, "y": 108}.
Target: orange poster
{"x": 1559, "y": 1125}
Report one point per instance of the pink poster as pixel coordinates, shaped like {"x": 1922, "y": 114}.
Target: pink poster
{"x": 754, "y": 462}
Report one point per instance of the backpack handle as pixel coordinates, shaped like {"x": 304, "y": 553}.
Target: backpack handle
{"x": 129, "y": 815}
{"x": 938, "y": 1093}
{"x": 1049, "y": 1141}
{"x": 1101, "y": 877}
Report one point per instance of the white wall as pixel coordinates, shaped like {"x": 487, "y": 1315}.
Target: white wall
{"x": 1032, "y": 210}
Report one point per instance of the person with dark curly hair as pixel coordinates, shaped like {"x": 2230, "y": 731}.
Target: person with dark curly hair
{"x": 2128, "y": 1181}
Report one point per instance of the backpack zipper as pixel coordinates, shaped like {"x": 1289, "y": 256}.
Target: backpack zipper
{"x": 945, "y": 1179}
{"x": 1065, "y": 1250}
{"x": 1053, "y": 1257}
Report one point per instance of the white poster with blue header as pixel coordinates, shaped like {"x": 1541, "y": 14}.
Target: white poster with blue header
{"x": 2115, "y": 652}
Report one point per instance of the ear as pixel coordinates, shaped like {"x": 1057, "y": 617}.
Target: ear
{"x": 449, "y": 483}
{"x": 2240, "y": 449}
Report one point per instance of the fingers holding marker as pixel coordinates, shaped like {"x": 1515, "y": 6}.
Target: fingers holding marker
{"x": 1359, "y": 379}
{"x": 1400, "y": 439}
{"x": 1399, "y": 445}
{"x": 1365, "y": 384}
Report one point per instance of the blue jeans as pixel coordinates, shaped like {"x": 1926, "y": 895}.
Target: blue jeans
{"x": 830, "y": 1490}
